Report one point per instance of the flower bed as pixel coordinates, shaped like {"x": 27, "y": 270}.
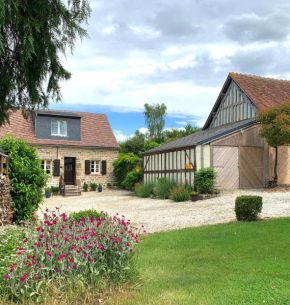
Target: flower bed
{"x": 88, "y": 251}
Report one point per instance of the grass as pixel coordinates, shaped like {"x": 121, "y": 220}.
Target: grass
{"x": 235, "y": 263}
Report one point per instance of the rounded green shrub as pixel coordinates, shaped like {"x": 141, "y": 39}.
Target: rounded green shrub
{"x": 132, "y": 178}
{"x": 247, "y": 208}
{"x": 93, "y": 186}
{"x": 85, "y": 214}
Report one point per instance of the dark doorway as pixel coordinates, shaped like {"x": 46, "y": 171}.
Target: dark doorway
{"x": 69, "y": 170}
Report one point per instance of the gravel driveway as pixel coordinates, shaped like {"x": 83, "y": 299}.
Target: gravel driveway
{"x": 162, "y": 215}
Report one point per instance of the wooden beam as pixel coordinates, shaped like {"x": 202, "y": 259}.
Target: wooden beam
{"x": 172, "y": 171}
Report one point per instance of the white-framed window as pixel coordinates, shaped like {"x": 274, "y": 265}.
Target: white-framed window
{"x": 58, "y": 128}
{"x": 95, "y": 167}
{"x": 46, "y": 165}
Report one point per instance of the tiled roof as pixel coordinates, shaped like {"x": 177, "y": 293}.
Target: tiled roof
{"x": 95, "y": 130}
{"x": 266, "y": 93}
{"x": 203, "y": 136}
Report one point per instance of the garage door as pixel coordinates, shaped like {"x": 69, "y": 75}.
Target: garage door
{"x": 226, "y": 164}
{"x": 251, "y": 167}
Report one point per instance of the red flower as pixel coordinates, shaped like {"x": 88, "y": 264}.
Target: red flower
{"x": 36, "y": 277}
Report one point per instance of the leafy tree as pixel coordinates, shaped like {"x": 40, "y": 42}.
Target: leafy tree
{"x": 276, "y": 128}
{"x": 123, "y": 165}
{"x": 154, "y": 118}
{"x": 26, "y": 177}
{"x": 134, "y": 145}
{"x": 150, "y": 145}
{"x": 32, "y": 33}
{"x": 175, "y": 134}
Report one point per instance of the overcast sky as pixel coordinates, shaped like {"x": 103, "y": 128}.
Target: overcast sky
{"x": 173, "y": 52}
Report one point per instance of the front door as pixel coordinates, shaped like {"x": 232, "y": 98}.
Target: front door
{"x": 69, "y": 171}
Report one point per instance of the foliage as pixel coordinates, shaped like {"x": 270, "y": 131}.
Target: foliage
{"x": 162, "y": 187}
{"x": 154, "y": 118}
{"x": 193, "y": 193}
{"x": 132, "y": 178}
{"x": 85, "y": 215}
{"x": 276, "y": 128}
{"x": 100, "y": 185}
{"x": 26, "y": 176}
{"x": 88, "y": 251}
{"x": 248, "y": 207}
{"x": 48, "y": 190}
{"x": 205, "y": 180}
{"x": 134, "y": 145}
{"x": 55, "y": 189}
{"x": 150, "y": 145}
{"x": 179, "y": 193}
{"x": 32, "y": 34}
{"x": 234, "y": 263}
{"x": 123, "y": 165}
{"x": 175, "y": 134}
{"x": 144, "y": 190}
{"x": 85, "y": 187}
{"x": 93, "y": 186}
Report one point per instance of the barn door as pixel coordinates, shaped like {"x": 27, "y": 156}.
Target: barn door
{"x": 251, "y": 167}
{"x": 226, "y": 164}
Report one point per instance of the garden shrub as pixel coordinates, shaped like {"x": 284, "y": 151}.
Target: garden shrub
{"x": 55, "y": 189}
{"x": 132, "y": 178}
{"x": 205, "y": 180}
{"x": 26, "y": 176}
{"x": 85, "y": 214}
{"x": 247, "y": 208}
{"x": 85, "y": 187}
{"x": 144, "y": 190}
{"x": 180, "y": 193}
{"x": 125, "y": 163}
{"x": 93, "y": 186}
{"x": 163, "y": 186}
{"x": 89, "y": 252}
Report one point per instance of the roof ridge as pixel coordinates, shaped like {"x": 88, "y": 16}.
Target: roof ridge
{"x": 233, "y": 74}
{"x": 67, "y": 111}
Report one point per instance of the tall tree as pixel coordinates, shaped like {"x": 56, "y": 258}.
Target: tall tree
{"x": 174, "y": 133}
{"x": 154, "y": 118}
{"x": 32, "y": 34}
{"x": 276, "y": 128}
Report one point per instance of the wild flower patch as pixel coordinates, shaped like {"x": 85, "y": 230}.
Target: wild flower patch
{"x": 89, "y": 251}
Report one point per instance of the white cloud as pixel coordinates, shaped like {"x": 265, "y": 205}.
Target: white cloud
{"x": 120, "y": 137}
{"x": 143, "y": 130}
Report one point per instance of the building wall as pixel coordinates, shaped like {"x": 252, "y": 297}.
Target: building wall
{"x": 283, "y": 168}
{"x": 81, "y": 154}
{"x": 206, "y": 156}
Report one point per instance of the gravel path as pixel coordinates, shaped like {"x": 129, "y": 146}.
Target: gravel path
{"x": 162, "y": 215}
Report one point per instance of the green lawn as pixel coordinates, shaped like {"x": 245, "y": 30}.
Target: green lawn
{"x": 235, "y": 263}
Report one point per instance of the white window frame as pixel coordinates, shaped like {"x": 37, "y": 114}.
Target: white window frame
{"x": 94, "y": 170}
{"x": 45, "y": 161}
{"x": 58, "y": 128}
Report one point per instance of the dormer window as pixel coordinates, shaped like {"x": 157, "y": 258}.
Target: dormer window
{"x": 59, "y": 128}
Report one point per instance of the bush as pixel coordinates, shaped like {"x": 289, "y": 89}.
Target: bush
{"x": 85, "y": 215}
{"x": 93, "y": 186}
{"x": 26, "y": 176}
{"x": 248, "y": 207}
{"x": 144, "y": 190}
{"x": 55, "y": 189}
{"x": 85, "y": 187}
{"x": 90, "y": 252}
{"x": 123, "y": 165}
{"x": 163, "y": 187}
{"x": 205, "y": 180}
{"x": 179, "y": 193}
{"x": 132, "y": 178}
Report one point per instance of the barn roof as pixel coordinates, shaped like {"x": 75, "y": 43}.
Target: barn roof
{"x": 203, "y": 136}
{"x": 265, "y": 93}
{"x": 95, "y": 129}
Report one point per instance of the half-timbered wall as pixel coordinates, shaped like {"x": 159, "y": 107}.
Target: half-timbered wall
{"x": 178, "y": 165}
{"x": 234, "y": 107}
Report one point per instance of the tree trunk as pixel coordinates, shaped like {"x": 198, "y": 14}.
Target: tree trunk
{"x": 276, "y": 165}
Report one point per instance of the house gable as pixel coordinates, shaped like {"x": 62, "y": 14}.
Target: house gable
{"x": 234, "y": 106}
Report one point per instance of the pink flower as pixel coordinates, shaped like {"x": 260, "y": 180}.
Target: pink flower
{"x": 6, "y": 276}
{"x": 67, "y": 266}
{"x": 39, "y": 266}
{"x": 22, "y": 281}
{"x": 57, "y": 270}
{"x": 14, "y": 264}
{"x": 131, "y": 250}
{"x": 25, "y": 240}
{"x": 85, "y": 256}
{"x": 74, "y": 267}
{"x": 91, "y": 260}
{"x": 28, "y": 256}
{"x": 116, "y": 241}
{"x": 71, "y": 260}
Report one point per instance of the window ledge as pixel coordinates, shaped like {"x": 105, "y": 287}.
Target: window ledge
{"x": 95, "y": 174}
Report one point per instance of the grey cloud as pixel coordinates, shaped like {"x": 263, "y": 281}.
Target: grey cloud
{"x": 252, "y": 27}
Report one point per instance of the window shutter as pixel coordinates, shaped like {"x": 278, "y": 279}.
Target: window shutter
{"x": 87, "y": 167}
{"x": 104, "y": 167}
{"x": 56, "y": 167}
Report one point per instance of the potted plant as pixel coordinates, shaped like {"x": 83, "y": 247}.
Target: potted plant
{"x": 100, "y": 187}
{"x": 55, "y": 190}
{"x": 194, "y": 196}
{"x": 85, "y": 187}
{"x": 47, "y": 192}
{"x": 93, "y": 186}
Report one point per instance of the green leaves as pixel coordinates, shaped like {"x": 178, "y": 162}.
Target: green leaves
{"x": 204, "y": 179}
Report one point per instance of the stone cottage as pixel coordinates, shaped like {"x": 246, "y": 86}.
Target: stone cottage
{"x": 77, "y": 146}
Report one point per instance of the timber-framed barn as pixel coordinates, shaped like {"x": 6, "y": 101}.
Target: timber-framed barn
{"x": 229, "y": 141}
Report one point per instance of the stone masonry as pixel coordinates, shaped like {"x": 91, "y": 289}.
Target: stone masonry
{"x": 81, "y": 154}
{"x": 5, "y": 202}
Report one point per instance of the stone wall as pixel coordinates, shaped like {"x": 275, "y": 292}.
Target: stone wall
{"x": 81, "y": 154}
{"x": 5, "y": 202}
